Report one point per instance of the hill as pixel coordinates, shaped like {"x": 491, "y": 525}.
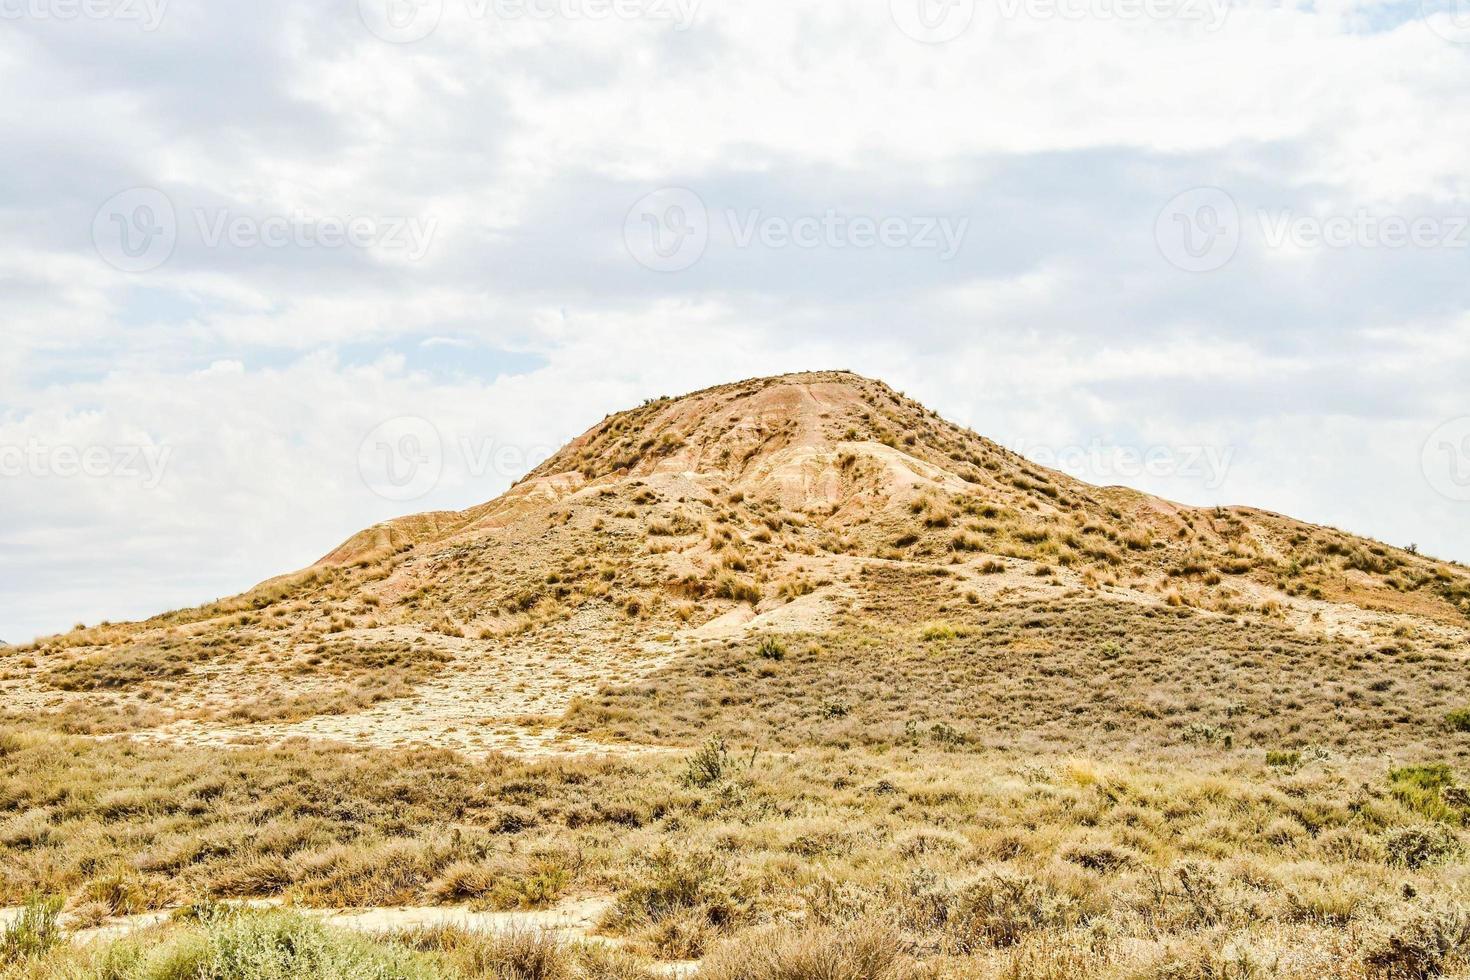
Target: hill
{"x": 806, "y": 504}
{"x": 847, "y": 658}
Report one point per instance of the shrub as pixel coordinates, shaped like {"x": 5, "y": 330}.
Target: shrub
{"x": 865, "y": 951}
{"x": 1416, "y": 847}
{"x": 968, "y": 541}
{"x": 1423, "y": 790}
{"x": 947, "y": 736}
{"x": 1200, "y": 733}
{"x": 1002, "y": 910}
{"x": 833, "y": 708}
{"x": 1458, "y": 720}
{"x": 792, "y": 589}
{"x": 675, "y": 883}
{"x": 250, "y": 945}
{"x": 708, "y": 764}
{"x": 942, "y": 631}
{"x": 740, "y": 590}
{"x": 771, "y": 648}
{"x": 502, "y": 885}
{"x": 1418, "y": 947}
{"x": 34, "y": 934}
{"x": 522, "y": 954}
{"x": 122, "y": 892}
{"x": 112, "y": 670}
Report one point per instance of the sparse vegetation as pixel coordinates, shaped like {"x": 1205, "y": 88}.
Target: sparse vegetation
{"x": 976, "y": 720}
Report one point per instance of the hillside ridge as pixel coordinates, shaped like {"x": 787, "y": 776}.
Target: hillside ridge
{"x": 813, "y": 504}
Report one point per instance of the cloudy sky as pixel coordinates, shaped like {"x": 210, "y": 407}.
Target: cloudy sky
{"x": 272, "y": 272}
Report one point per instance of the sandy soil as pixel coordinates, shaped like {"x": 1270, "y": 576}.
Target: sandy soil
{"x": 571, "y": 920}
{"x": 484, "y": 703}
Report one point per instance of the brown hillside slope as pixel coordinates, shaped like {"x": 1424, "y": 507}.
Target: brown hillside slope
{"x": 820, "y": 504}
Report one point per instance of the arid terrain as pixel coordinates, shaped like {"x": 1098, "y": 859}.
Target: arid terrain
{"x": 789, "y": 678}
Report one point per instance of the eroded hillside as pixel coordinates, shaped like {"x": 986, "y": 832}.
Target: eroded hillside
{"x": 825, "y": 505}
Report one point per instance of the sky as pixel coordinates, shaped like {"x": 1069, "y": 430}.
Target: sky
{"x": 273, "y": 272}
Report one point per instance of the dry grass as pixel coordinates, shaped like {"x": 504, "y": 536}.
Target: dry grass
{"x": 1047, "y": 676}
{"x": 999, "y": 860}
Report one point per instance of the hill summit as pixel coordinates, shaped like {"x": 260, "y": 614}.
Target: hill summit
{"x": 824, "y": 507}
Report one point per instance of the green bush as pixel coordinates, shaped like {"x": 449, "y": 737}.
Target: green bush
{"x": 249, "y": 945}
{"x": 1459, "y": 720}
{"x": 1422, "y": 789}
{"x": 34, "y": 934}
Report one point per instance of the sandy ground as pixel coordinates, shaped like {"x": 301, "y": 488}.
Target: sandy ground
{"x": 502, "y": 700}
{"x": 485, "y": 702}
{"x": 572, "y": 920}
